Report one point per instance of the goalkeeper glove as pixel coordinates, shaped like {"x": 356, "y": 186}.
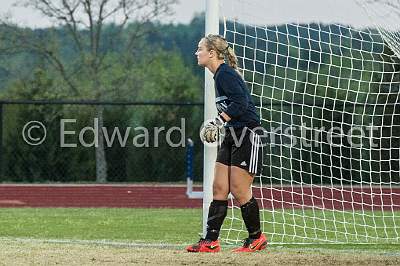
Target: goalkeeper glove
{"x": 210, "y": 131}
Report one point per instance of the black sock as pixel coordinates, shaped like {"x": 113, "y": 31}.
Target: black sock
{"x": 251, "y": 217}
{"x": 216, "y": 215}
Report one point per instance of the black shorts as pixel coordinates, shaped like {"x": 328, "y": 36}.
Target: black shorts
{"x": 242, "y": 147}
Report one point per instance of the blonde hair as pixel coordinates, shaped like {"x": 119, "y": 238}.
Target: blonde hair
{"x": 221, "y": 47}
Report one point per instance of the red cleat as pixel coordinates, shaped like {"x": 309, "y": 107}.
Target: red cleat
{"x": 205, "y": 245}
{"x": 251, "y": 244}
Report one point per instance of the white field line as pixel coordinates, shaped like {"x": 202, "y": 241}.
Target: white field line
{"x": 94, "y": 242}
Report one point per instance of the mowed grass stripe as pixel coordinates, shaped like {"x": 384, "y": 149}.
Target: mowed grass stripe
{"x": 311, "y": 226}
{"x": 166, "y": 226}
{"x": 148, "y": 225}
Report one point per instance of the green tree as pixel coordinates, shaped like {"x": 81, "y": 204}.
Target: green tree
{"x": 85, "y": 22}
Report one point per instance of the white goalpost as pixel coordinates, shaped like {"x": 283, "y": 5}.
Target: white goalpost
{"x": 210, "y": 111}
{"x": 329, "y": 100}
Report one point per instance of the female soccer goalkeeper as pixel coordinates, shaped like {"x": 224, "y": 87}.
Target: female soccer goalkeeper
{"x": 239, "y": 155}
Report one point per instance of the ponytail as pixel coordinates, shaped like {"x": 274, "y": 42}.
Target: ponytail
{"x": 232, "y": 59}
{"x": 223, "y": 50}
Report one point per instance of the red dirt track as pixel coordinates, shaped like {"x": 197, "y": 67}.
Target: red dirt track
{"x": 92, "y": 196}
{"x": 174, "y": 196}
{"x": 332, "y": 198}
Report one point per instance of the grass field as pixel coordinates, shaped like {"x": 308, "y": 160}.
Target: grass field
{"x": 323, "y": 226}
{"x": 150, "y": 236}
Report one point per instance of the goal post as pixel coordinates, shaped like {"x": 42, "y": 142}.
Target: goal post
{"x": 329, "y": 100}
{"x": 210, "y": 112}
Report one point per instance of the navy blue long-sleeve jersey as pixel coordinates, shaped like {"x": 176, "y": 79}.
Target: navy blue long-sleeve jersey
{"x": 233, "y": 98}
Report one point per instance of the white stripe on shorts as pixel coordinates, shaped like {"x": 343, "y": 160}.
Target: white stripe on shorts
{"x": 256, "y": 154}
{"x": 252, "y": 152}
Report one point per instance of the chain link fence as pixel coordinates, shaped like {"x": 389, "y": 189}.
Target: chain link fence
{"x": 47, "y": 141}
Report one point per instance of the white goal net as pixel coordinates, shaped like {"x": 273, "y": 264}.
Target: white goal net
{"x": 328, "y": 96}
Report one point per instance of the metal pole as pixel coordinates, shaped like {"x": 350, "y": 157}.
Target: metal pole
{"x": 210, "y": 153}
{"x": 1, "y": 141}
{"x": 189, "y": 167}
